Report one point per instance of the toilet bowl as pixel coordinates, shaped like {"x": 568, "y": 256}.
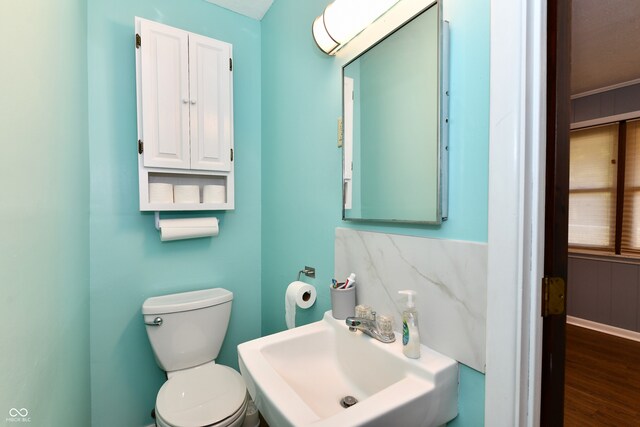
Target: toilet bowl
{"x": 209, "y": 395}
{"x": 186, "y": 332}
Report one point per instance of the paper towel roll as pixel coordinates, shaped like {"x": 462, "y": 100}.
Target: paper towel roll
{"x": 298, "y": 294}
{"x": 186, "y": 193}
{"x": 160, "y": 192}
{"x": 188, "y": 228}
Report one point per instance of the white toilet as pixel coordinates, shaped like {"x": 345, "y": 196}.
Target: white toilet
{"x": 186, "y": 331}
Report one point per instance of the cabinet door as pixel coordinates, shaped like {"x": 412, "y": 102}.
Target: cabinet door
{"x": 211, "y": 104}
{"x": 165, "y": 95}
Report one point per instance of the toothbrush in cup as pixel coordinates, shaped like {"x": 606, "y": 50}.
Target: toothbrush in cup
{"x": 350, "y": 282}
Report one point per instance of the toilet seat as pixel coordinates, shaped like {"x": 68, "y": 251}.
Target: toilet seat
{"x": 208, "y": 395}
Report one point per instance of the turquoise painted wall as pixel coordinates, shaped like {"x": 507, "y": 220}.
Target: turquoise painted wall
{"x": 301, "y": 165}
{"x": 128, "y": 261}
{"x": 44, "y": 262}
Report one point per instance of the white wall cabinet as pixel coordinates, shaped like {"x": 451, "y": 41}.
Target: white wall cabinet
{"x": 185, "y": 112}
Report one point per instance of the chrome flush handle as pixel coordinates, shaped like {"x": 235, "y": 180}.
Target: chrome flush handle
{"x": 156, "y": 322}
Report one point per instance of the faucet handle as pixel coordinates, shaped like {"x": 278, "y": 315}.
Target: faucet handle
{"x": 385, "y": 324}
{"x": 363, "y": 311}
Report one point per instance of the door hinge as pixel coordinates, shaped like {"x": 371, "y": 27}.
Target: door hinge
{"x": 232, "y": 154}
{"x": 140, "y": 146}
{"x": 138, "y": 41}
{"x": 553, "y": 296}
{"x": 230, "y": 64}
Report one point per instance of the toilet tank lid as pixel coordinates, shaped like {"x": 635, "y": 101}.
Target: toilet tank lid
{"x": 186, "y": 301}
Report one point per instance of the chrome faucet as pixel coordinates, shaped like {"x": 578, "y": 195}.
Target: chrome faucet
{"x": 370, "y": 327}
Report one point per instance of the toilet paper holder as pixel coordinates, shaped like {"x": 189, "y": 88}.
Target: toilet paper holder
{"x": 307, "y": 271}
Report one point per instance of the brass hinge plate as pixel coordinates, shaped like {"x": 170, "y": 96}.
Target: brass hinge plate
{"x": 138, "y": 41}
{"x": 554, "y": 299}
{"x": 140, "y": 146}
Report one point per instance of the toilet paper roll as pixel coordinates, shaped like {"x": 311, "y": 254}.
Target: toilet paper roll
{"x": 298, "y": 294}
{"x": 188, "y": 228}
{"x": 213, "y": 193}
{"x": 160, "y": 192}
{"x": 186, "y": 193}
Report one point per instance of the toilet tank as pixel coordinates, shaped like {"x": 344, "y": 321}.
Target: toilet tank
{"x": 187, "y": 329}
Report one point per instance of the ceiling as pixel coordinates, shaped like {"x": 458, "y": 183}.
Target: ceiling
{"x": 252, "y": 8}
{"x": 605, "y": 43}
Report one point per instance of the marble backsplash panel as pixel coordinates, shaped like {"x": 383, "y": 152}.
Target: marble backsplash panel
{"x": 449, "y": 276}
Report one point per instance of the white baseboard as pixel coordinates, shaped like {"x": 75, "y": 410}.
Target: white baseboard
{"x": 607, "y": 329}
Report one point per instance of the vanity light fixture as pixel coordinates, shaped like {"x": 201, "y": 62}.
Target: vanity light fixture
{"x": 342, "y": 20}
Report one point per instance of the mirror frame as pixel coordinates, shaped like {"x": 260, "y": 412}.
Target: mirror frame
{"x": 442, "y": 211}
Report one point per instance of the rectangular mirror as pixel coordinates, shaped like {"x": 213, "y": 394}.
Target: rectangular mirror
{"x": 395, "y": 125}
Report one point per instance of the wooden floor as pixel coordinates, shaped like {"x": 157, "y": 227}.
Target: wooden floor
{"x": 602, "y": 385}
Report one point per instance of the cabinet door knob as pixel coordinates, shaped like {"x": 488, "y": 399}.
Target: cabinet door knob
{"x": 193, "y": 101}
{"x": 185, "y": 101}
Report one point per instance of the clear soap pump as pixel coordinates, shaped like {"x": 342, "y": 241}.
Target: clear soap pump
{"x": 410, "y": 333}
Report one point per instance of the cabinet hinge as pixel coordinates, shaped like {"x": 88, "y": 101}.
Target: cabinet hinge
{"x": 553, "y": 296}
{"x": 138, "y": 41}
{"x": 230, "y": 64}
{"x": 232, "y": 154}
{"x": 140, "y": 146}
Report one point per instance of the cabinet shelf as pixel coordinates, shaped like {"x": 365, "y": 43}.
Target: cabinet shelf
{"x": 167, "y": 207}
{"x": 179, "y": 177}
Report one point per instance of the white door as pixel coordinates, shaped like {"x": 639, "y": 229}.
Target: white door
{"x": 165, "y": 95}
{"x": 211, "y": 105}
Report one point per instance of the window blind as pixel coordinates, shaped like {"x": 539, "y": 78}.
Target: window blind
{"x": 592, "y": 187}
{"x": 631, "y": 210}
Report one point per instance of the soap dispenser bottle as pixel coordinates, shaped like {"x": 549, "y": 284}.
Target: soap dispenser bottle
{"x": 410, "y": 333}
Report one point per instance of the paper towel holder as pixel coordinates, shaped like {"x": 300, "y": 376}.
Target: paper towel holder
{"x": 307, "y": 271}
{"x": 157, "y": 220}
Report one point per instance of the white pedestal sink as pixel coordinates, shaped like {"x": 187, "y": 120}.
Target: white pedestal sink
{"x": 298, "y": 378}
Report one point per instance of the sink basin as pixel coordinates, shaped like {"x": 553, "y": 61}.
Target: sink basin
{"x": 299, "y": 377}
